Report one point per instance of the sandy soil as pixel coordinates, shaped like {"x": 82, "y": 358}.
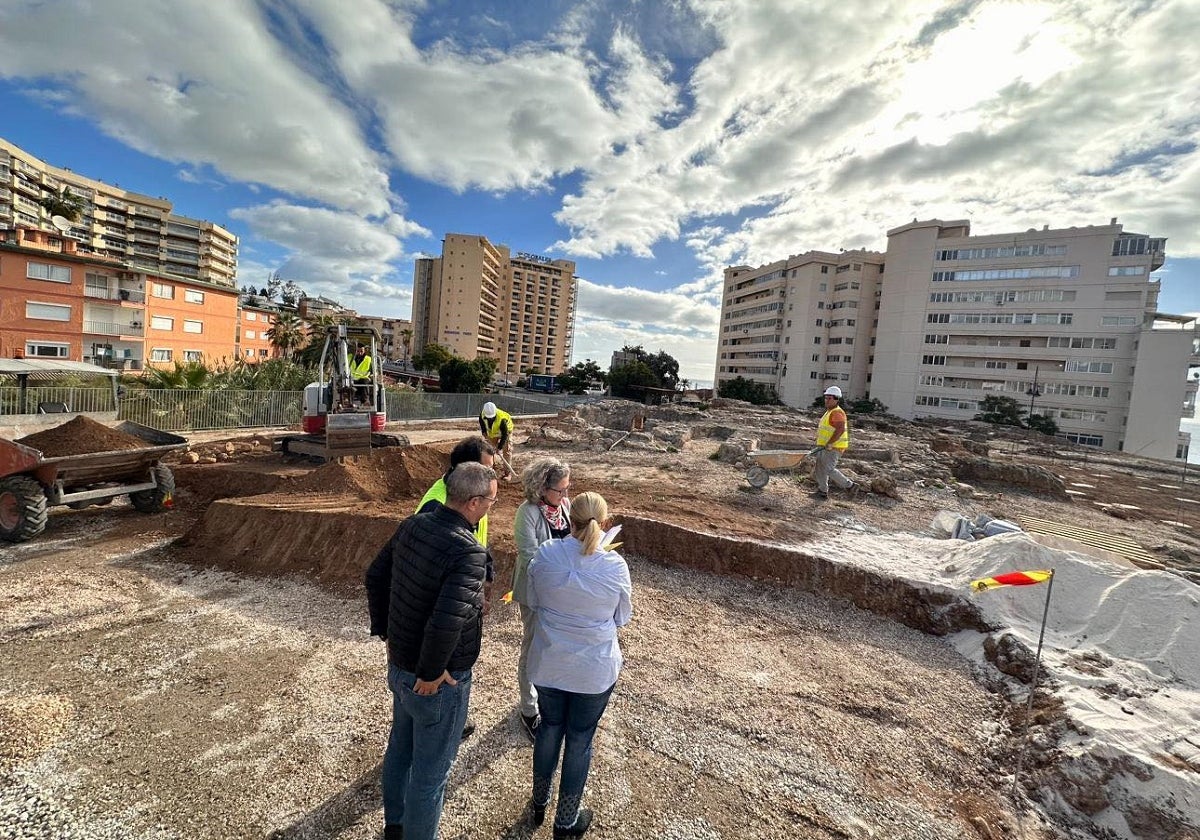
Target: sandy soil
{"x": 211, "y": 688}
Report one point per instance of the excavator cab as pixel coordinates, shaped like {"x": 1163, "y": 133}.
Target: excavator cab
{"x": 344, "y": 411}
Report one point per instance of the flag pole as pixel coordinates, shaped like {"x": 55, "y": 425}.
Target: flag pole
{"x": 1037, "y": 661}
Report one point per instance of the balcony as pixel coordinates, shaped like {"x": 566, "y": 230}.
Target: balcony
{"x": 110, "y": 328}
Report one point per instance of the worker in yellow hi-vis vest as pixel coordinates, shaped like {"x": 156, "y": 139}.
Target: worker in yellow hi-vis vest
{"x": 360, "y": 372}
{"x": 833, "y": 437}
{"x": 497, "y": 426}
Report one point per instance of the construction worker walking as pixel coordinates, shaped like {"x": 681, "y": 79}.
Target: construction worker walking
{"x": 497, "y": 426}
{"x": 833, "y": 437}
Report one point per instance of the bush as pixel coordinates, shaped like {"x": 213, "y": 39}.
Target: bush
{"x": 1042, "y": 423}
{"x": 740, "y": 388}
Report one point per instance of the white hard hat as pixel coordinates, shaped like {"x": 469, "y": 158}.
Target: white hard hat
{"x": 833, "y": 391}
{"x": 489, "y": 409}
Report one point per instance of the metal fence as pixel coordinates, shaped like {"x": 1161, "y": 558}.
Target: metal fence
{"x": 75, "y": 399}
{"x": 182, "y": 410}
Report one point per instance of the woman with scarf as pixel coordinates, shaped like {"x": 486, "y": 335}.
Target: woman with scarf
{"x": 542, "y": 516}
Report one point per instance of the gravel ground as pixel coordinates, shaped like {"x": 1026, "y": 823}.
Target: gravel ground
{"x": 142, "y": 698}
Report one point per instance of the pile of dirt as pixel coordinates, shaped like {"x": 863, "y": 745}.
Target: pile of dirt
{"x": 384, "y": 474}
{"x": 81, "y": 436}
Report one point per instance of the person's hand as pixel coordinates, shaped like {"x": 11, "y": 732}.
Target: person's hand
{"x": 427, "y": 688}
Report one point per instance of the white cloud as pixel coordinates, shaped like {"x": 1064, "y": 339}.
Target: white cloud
{"x": 339, "y": 255}
{"x": 198, "y": 83}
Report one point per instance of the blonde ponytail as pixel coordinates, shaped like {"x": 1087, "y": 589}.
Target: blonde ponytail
{"x": 589, "y": 512}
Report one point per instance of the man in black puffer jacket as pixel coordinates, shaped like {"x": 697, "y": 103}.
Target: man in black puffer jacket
{"x": 425, "y": 597}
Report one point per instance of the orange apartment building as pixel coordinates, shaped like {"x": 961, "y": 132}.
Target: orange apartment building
{"x": 189, "y": 321}
{"x": 253, "y": 344}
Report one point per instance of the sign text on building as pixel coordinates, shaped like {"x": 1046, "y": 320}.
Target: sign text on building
{"x": 538, "y": 258}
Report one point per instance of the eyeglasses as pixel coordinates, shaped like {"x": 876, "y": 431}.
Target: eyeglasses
{"x": 491, "y": 500}
{"x": 562, "y": 491}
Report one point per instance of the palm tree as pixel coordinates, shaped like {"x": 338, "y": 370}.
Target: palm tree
{"x": 287, "y": 333}
{"x": 66, "y": 204}
{"x": 406, "y": 337}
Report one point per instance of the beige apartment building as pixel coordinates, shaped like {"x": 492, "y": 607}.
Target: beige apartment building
{"x": 480, "y": 299}
{"x": 1073, "y": 309}
{"x": 801, "y": 324}
{"x": 138, "y": 230}
{"x": 1066, "y": 319}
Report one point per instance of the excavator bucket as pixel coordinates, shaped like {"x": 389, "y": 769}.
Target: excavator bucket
{"x": 347, "y": 434}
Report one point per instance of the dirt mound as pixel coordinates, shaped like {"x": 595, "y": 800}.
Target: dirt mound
{"x": 384, "y": 474}
{"x": 81, "y": 436}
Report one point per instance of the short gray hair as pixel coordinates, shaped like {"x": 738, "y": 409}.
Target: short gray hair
{"x": 541, "y": 475}
{"x": 467, "y": 481}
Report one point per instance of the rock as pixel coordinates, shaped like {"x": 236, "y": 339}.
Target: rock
{"x": 884, "y": 486}
{"x": 207, "y": 459}
{"x": 1009, "y": 655}
{"x": 731, "y": 452}
{"x": 191, "y": 457}
{"x": 966, "y": 491}
{"x": 1023, "y": 475}
{"x": 551, "y": 433}
{"x": 230, "y": 448}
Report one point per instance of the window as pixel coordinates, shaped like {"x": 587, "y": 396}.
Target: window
{"x": 162, "y": 322}
{"x": 937, "y": 339}
{"x": 47, "y": 312}
{"x": 249, "y": 333}
{"x": 817, "y": 340}
{"x": 160, "y": 354}
{"x": 933, "y": 360}
{"x": 47, "y": 350}
{"x": 929, "y": 379}
{"x": 1118, "y": 320}
{"x": 1126, "y": 271}
{"x": 192, "y": 355}
{"x": 193, "y": 296}
{"x": 250, "y": 316}
{"x": 824, "y": 270}
{"x": 937, "y": 318}
{"x": 43, "y": 271}
{"x": 1085, "y": 440}
{"x": 1087, "y": 366}
{"x": 162, "y": 290}
{"x": 262, "y": 353}
{"x": 193, "y": 326}
{"x": 820, "y": 322}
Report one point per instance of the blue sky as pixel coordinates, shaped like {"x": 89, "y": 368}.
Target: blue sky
{"x": 652, "y": 142}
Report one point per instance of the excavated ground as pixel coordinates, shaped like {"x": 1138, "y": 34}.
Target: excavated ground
{"x": 155, "y": 687}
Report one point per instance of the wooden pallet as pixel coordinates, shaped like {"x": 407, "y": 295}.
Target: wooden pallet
{"x": 1115, "y": 543}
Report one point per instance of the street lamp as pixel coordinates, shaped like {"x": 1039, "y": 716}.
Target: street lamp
{"x": 1034, "y": 392}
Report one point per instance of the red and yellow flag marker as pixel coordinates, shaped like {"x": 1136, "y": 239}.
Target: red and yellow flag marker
{"x": 1012, "y": 579}
{"x": 507, "y": 597}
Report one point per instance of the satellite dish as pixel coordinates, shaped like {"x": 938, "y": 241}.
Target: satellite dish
{"x": 61, "y": 222}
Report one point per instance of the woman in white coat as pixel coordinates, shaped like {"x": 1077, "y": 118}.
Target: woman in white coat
{"x": 580, "y": 594}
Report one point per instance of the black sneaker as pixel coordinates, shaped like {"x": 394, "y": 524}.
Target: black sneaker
{"x": 582, "y": 823}
{"x": 530, "y": 724}
{"x": 537, "y": 814}
{"x": 468, "y": 729}
{"x": 818, "y": 495}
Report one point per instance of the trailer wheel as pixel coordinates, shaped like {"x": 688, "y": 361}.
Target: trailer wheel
{"x": 757, "y": 476}
{"x": 22, "y": 508}
{"x": 158, "y": 499}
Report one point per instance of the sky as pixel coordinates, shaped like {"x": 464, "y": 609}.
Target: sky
{"x": 654, "y": 142}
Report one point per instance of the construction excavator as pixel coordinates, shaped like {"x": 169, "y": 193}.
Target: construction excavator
{"x": 344, "y": 410}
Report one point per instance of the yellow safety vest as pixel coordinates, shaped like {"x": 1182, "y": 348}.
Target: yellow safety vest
{"x": 825, "y": 430}
{"x": 362, "y": 370}
{"x": 494, "y": 425}
{"x": 438, "y": 491}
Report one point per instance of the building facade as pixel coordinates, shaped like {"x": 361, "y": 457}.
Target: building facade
{"x": 189, "y": 321}
{"x": 479, "y": 299}
{"x": 255, "y": 317}
{"x": 395, "y": 336}
{"x": 1073, "y": 310}
{"x": 136, "y": 229}
{"x": 801, "y": 324}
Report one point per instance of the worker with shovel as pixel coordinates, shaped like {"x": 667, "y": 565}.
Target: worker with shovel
{"x": 497, "y": 426}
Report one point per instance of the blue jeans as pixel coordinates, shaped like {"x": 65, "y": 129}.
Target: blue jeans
{"x": 572, "y": 718}
{"x": 426, "y": 732}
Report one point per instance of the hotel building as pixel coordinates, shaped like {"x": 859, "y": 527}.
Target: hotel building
{"x": 480, "y": 299}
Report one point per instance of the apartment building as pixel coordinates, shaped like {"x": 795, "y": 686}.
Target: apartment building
{"x": 480, "y": 299}
{"x": 393, "y": 333}
{"x": 140, "y": 230}
{"x": 189, "y": 321}
{"x": 801, "y": 324}
{"x": 41, "y": 296}
{"x": 255, "y": 317}
{"x": 1073, "y": 310}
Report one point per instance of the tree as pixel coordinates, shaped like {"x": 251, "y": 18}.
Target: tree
{"x": 432, "y": 357}
{"x": 191, "y": 376}
{"x": 740, "y": 388}
{"x": 630, "y": 380}
{"x": 406, "y": 340}
{"x": 1042, "y": 423}
{"x": 863, "y": 405}
{"x": 287, "y": 333}
{"x": 577, "y": 377}
{"x": 458, "y": 376}
{"x": 663, "y": 365}
{"x": 1003, "y": 411}
{"x": 66, "y": 204}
